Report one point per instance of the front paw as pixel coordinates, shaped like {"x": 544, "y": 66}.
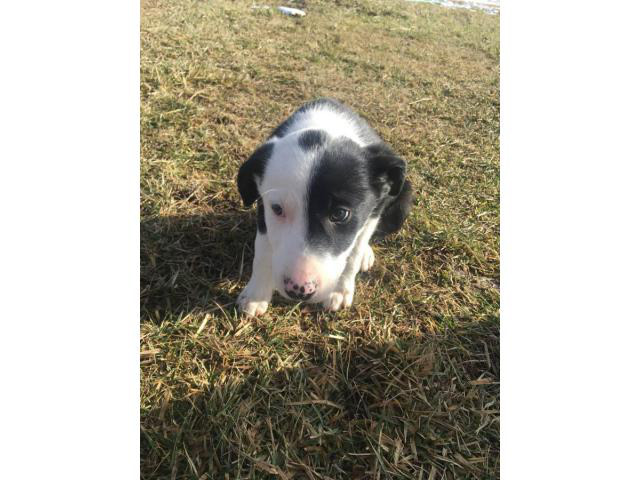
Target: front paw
{"x": 254, "y": 301}
{"x": 342, "y": 297}
{"x": 367, "y": 259}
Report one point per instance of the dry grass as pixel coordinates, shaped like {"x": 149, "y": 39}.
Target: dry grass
{"x": 404, "y": 385}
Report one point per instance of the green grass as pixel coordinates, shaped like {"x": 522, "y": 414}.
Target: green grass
{"x": 406, "y": 383}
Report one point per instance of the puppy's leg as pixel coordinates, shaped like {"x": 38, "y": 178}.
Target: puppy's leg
{"x": 255, "y": 298}
{"x": 362, "y": 254}
{"x": 367, "y": 258}
{"x": 342, "y": 296}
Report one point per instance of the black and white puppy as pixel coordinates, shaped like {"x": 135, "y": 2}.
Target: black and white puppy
{"x": 325, "y": 183}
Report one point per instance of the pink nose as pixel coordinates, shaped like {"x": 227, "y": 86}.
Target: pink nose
{"x": 300, "y": 288}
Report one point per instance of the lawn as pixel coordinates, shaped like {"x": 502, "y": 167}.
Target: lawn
{"x": 405, "y": 384}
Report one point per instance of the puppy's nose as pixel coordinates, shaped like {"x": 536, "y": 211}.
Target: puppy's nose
{"x": 300, "y": 289}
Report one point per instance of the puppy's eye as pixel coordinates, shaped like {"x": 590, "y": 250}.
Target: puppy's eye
{"x": 277, "y": 209}
{"x": 340, "y": 215}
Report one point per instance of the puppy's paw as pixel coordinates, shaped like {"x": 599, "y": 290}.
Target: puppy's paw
{"x": 251, "y": 308}
{"x": 253, "y": 302}
{"x": 367, "y": 259}
{"x": 341, "y": 298}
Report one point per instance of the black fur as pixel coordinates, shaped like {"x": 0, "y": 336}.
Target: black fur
{"x": 340, "y": 178}
{"x": 311, "y": 139}
{"x": 388, "y": 175}
{"x": 387, "y": 169}
{"x": 395, "y": 212}
{"x": 252, "y": 168}
{"x": 262, "y": 224}
{"x": 369, "y": 182}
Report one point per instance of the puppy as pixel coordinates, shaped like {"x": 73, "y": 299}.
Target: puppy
{"x": 325, "y": 183}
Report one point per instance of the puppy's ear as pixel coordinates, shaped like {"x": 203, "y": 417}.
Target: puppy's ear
{"x": 250, "y": 170}
{"x": 387, "y": 169}
{"x": 395, "y": 212}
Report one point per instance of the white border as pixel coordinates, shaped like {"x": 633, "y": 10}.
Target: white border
{"x": 569, "y": 239}
{"x": 70, "y": 240}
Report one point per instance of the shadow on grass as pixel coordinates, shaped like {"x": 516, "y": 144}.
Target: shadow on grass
{"x": 349, "y": 408}
{"x": 307, "y": 398}
{"x": 301, "y": 399}
{"x": 188, "y": 262}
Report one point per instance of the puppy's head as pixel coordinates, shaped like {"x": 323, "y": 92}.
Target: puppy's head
{"x": 316, "y": 195}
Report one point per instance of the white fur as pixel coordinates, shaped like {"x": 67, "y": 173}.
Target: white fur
{"x": 255, "y": 298}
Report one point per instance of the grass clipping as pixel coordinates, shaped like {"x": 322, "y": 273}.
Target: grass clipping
{"x": 406, "y": 383}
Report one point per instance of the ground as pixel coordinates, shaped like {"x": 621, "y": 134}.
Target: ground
{"x": 405, "y": 384}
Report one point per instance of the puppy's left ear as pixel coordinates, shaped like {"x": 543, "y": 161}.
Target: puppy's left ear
{"x": 251, "y": 170}
{"x": 387, "y": 169}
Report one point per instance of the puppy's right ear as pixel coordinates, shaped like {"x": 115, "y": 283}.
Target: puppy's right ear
{"x": 250, "y": 171}
{"x": 387, "y": 168}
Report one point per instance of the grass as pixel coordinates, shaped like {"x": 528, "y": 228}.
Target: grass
{"x": 406, "y": 383}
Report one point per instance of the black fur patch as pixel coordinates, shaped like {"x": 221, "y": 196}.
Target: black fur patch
{"x": 262, "y": 225}
{"x": 311, "y": 139}
{"x": 252, "y": 168}
{"x": 369, "y": 182}
{"x": 387, "y": 169}
{"x": 395, "y": 212}
{"x": 340, "y": 178}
